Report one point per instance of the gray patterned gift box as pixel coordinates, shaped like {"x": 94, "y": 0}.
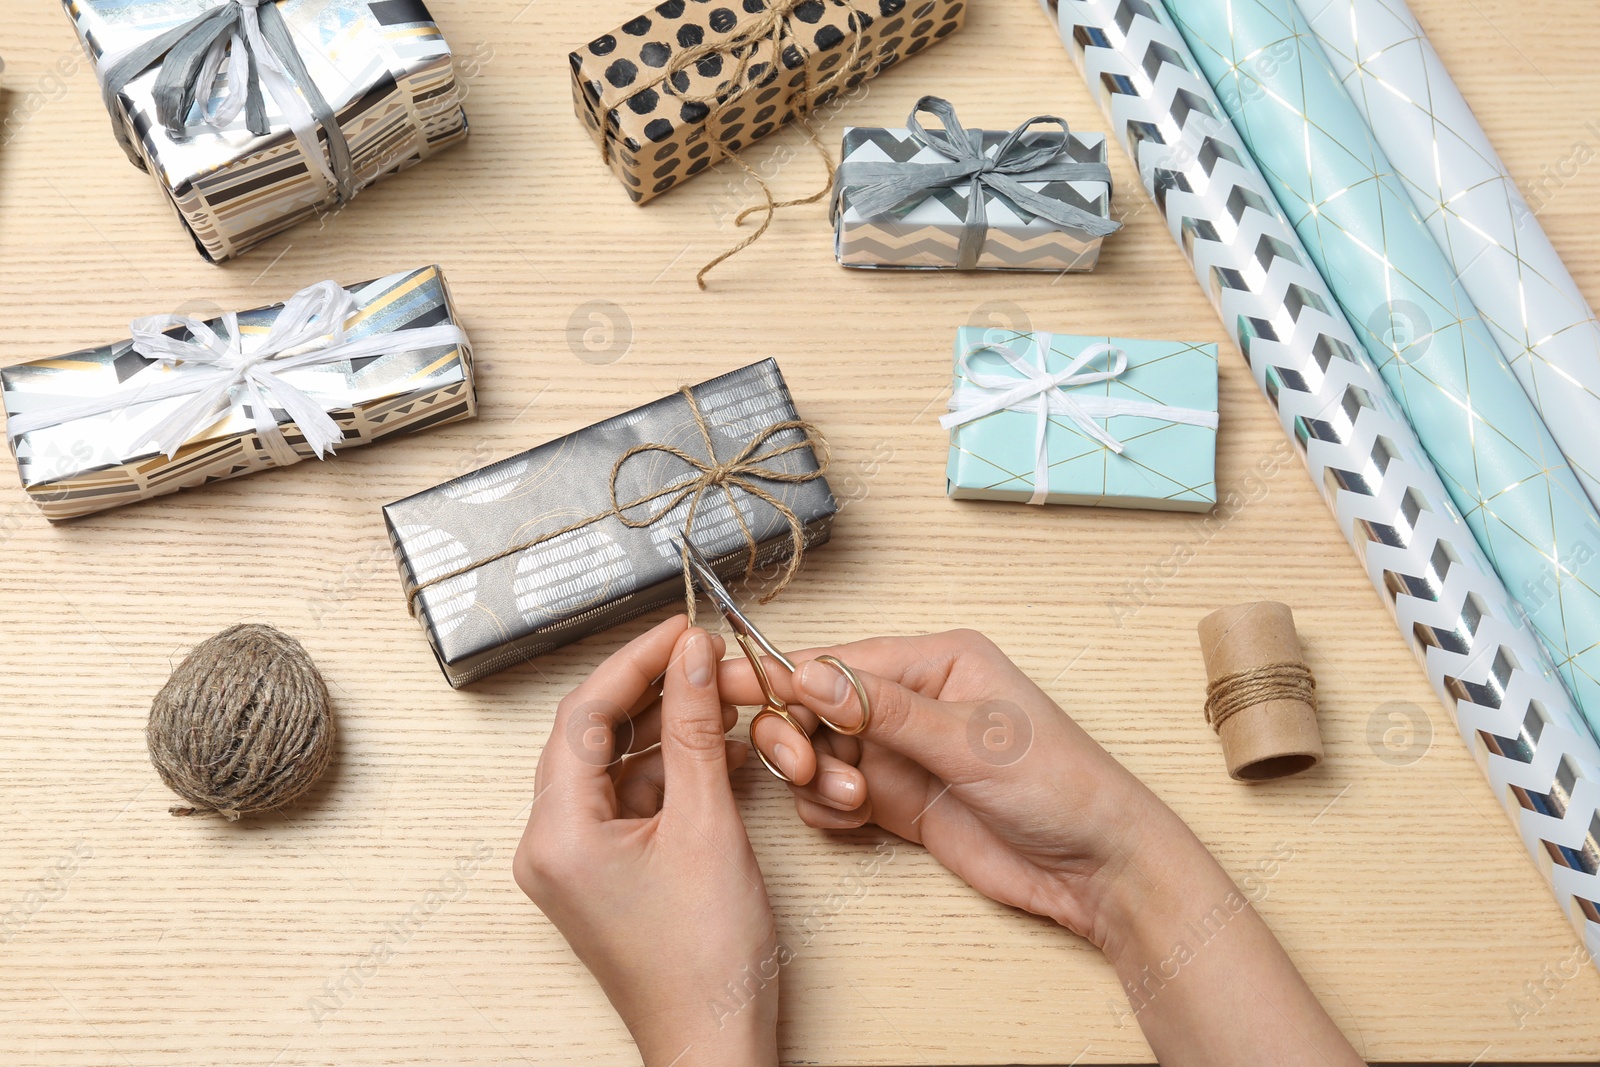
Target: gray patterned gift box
{"x": 566, "y": 539}
{"x": 337, "y": 94}
{"x": 1024, "y": 199}
{"x": 110, "y": 425}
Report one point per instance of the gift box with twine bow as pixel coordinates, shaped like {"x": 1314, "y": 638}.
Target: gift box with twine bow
{"x": 672, "y": 91}
{"x": 185, "y": 402}
{"x": 1053, "y": 419}
{"x": 576, "y": 535}
{"x": 951, "y": 198}
{"x": 256, "y": 114}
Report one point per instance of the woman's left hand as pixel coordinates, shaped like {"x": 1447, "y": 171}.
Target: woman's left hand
{"x": 637, "y": 853}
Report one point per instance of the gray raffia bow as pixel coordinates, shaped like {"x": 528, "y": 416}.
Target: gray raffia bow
{"x": 878, "y": 188}
{"x": 251, "y": 40}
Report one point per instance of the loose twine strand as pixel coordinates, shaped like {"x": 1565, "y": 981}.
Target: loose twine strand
{"x": 775, "y": 24}
{"x": 1232, "y": 693}
{"x": 243, "y": 724}
{"x": 737, "y": 472}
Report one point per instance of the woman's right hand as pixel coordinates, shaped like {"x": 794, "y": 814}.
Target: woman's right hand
{"x": 965, "y": 755}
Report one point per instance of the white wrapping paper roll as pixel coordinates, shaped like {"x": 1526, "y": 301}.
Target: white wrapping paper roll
{"x": 1479, "y": 217}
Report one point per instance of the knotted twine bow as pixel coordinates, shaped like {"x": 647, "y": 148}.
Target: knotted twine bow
{"x": 740, "y": 472}
{"x": 1045, "y": 394}
{"x": 774, "y": 25}
{"x": 879, "y": 188}
{"x": 250, "y": 40}
{"x": 217, "y": 374}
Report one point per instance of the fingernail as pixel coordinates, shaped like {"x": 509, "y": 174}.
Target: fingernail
{"x": 838, "y": 787}
{"x": 698, "y": 663}
{"x": 822, "y": 682}
{"x": 784, "y": 757}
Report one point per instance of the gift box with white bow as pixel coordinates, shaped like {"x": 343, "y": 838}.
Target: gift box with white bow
{"x": 1055, "y": 419}
{"x": 1032, "y": 198}
{"x": 256, "y": 114}
{"x": 185, "y": 402}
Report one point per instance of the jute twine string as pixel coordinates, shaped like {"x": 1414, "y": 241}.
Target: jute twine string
{"x": 774, "y": 25}
{"x": 243, "y": 725}
{"x": 1232, "y": 693}
{"x": 727, "y": 475}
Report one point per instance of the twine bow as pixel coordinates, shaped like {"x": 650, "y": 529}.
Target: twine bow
{"x": 879, "y": 188}
{"x": 740, "y": 472}
{"x": 250, "y": 42}
{"x": 219, "y": 373}
{"x": 1044, "y": 394}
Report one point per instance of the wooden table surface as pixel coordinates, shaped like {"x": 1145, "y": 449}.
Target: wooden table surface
{"x": 134, "y": 938}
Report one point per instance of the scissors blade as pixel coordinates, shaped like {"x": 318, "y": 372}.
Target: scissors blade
{"x": 719, "y": 596}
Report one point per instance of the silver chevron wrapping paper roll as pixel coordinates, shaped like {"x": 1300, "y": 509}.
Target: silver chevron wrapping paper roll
{"x": 1475, "y": 211}
{"x": 1483, "y": 660}
{"x": 1414, "y": 318}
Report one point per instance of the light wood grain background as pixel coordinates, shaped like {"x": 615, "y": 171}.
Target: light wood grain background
{"x": 134, "y": 938}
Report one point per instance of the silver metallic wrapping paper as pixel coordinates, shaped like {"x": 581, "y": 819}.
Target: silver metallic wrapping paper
{"x": 1484, "y": 225}
{"x": 1479, "y": 653}
{"x": 96, "y": 462}
{"x": 383, "y": 65}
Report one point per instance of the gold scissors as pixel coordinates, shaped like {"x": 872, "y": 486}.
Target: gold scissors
{"x": 754, "y": 644}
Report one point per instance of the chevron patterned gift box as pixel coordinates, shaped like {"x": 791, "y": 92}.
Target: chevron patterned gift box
{"x": 926, "y": 233}
{"x": 1053, "y": 419}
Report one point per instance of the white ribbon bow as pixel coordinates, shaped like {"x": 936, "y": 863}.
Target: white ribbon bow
{"x": 218, "y": 374}
{"x": 1045, "y": 394}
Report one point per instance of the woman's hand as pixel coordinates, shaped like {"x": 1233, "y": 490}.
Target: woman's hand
{"x": 965, "y": 755}
{"x": 637, "y": 853}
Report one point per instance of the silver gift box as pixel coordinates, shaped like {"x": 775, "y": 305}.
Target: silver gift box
{"x": 383, "y": 66}
{"x": 926, "y": 234}
{"x": 102, "y": 461}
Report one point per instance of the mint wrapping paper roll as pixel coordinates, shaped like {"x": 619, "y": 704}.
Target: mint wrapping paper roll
{"x": 1484, "y": 663}
{"x": 1480, "y": 219}
{"x": 1414, "y": 318}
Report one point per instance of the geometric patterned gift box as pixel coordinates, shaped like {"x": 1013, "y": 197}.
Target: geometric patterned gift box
{"x": 336, "y": 94}
{"x": 1053, "y": 419}
{"x": 918, "y": 199}
{"x": 184, "y": 403}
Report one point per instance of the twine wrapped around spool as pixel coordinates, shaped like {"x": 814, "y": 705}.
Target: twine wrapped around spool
{"x": 243, "y": 725}
{"x": 1262, "y": 698}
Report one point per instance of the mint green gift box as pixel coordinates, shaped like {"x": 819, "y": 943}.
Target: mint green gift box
{"x": 1127, "y": 423}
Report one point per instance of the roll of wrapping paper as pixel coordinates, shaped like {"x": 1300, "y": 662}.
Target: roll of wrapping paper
{"x": 1480, "y": 219}
{"x": 1414, "y": 318}
{"x": 1484, "y": 663}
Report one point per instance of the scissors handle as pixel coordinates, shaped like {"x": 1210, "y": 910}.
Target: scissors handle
{"x": 861, "y": 695}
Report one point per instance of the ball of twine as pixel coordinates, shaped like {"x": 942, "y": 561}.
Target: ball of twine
{"x": 243, "y": 724}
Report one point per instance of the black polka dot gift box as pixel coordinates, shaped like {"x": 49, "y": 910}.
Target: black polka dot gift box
{"x": 546, "y": 547}
{"x": 667, "y": 94}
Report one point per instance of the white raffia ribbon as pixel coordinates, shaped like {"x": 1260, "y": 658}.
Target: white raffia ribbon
{"x": 219, "y": 374}
{"x": 1044, "y": 394}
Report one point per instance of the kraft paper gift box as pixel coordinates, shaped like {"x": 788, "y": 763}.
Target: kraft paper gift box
{"x": 576, "y": 535}
{"x": 84, "y": 426}
{"x": 1124, "y": 423}
{"x": 382, "y": 67}
{"x": 670, "y": 92}
{"x": 914, "y": 198}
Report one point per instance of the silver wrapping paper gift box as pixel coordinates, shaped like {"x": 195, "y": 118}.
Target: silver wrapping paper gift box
{"x": 531, "y": 553}
{"x": 92, "y": 463}
{"x": 382, "y": 65}
{"x": 926, "y": 234}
